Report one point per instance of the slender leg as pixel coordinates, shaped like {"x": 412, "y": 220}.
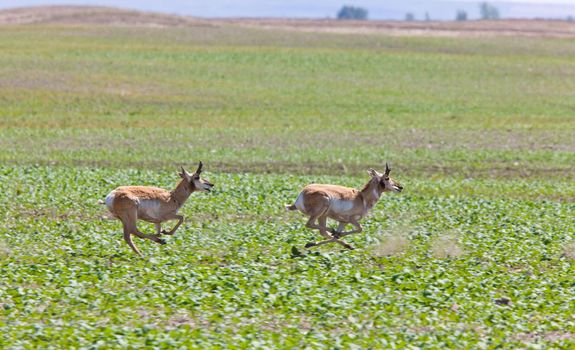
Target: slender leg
{"x": 340, "y": 228}
{"x": 128, "y": 237}
{"x": 323, "y": 231}
{"x": 129, "y": 223}
{"x": 358, "y": 229}
{"x": 151, "y": 237}
{"x": 172, "y": 231}
{"x": 158, "y": 229}
{"x": 311, "y": 224}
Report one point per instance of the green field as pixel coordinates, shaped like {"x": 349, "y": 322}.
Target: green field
{"x": 477, "y": 252}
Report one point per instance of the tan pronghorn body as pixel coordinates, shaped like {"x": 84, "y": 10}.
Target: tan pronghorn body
{"x": 343, "y": 204}
{"x": 153, "y": 204}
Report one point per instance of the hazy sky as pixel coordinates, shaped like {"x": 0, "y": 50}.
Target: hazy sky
{"x": 378, "y": 9}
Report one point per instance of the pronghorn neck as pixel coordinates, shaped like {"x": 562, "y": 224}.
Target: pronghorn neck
{"x": 181, "y": 193}
{"x": 371, "y": 194}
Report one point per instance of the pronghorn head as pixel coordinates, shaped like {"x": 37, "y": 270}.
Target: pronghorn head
{"x": 386, "y": 183}
{"x": 196, "y": 183}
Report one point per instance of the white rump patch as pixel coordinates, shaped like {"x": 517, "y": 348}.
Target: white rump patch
{"x": 110, "y": 200}
{"x": 149, "y": 208}
{"x": 341, "y": 206}
{"x": 299, "y": 203}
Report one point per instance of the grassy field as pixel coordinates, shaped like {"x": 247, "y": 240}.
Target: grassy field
{"x": 240, "y": 98}
{"x": 477, "y": 252}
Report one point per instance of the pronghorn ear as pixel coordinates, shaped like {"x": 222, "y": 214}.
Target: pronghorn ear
{"x": 372, "y": 172}
{"x": 184, "y": 174}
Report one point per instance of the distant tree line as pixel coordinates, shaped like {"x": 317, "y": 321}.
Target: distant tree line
{"x": 486, "y": 11}
{"x": 352, "y": 12}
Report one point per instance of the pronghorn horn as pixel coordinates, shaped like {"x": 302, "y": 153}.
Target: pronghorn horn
{"x": 387, "y": 169}
{"x": 199, "y": 170}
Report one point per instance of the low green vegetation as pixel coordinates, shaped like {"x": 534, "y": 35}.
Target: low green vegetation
{"x": 246, "y": 98}
{"x": 477, "y": 252}
{"x": 430, "y": 269}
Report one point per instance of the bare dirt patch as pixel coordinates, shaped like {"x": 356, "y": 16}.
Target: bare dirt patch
{"x": 446, "y": 246}
{"x": 392, "y": 245}
{"x": 552, "y": 336}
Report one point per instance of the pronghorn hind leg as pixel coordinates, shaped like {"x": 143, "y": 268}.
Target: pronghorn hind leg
{"x": 129, "y": 222}
{"x": 332, "y": 240}
{"x": 311, "y": 224}
{"x": 172, "y": 231}
{"x": 128, "y": 238}
{"x": 323, "y": 224}
{"x": 340, "y": 233}
{"x": 340, "y": 228}
{"x": 150, "y": 237}
{"x": 323, "y": 231}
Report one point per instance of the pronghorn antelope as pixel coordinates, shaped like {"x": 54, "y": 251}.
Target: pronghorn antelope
{"x": 152, "y": 204}
{"x": 343, "y": 204}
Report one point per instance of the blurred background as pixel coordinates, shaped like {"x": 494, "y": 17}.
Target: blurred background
{"x": 377, "y": 9}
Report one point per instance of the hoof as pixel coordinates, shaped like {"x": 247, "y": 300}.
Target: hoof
{"x": 310, "y": 244}
{"x": 336, "y": 234}
{"x": 162, "y": 241}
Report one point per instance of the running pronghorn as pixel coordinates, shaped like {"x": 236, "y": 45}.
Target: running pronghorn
{"x": 343, "y": 204}
{"x": 153, "y": 204}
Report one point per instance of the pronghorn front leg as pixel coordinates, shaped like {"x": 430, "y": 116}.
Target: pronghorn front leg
{"x": 172, "y": 231}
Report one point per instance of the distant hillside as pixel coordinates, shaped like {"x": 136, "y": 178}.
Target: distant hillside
{"x": 91, "y": 15}
{"x": 120, "y": 17}
{"x": 378, "y": 9}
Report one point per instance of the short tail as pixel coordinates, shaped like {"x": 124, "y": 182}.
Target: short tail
{"x": 101, "y": 202}
{"x": 290, "y": 207}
